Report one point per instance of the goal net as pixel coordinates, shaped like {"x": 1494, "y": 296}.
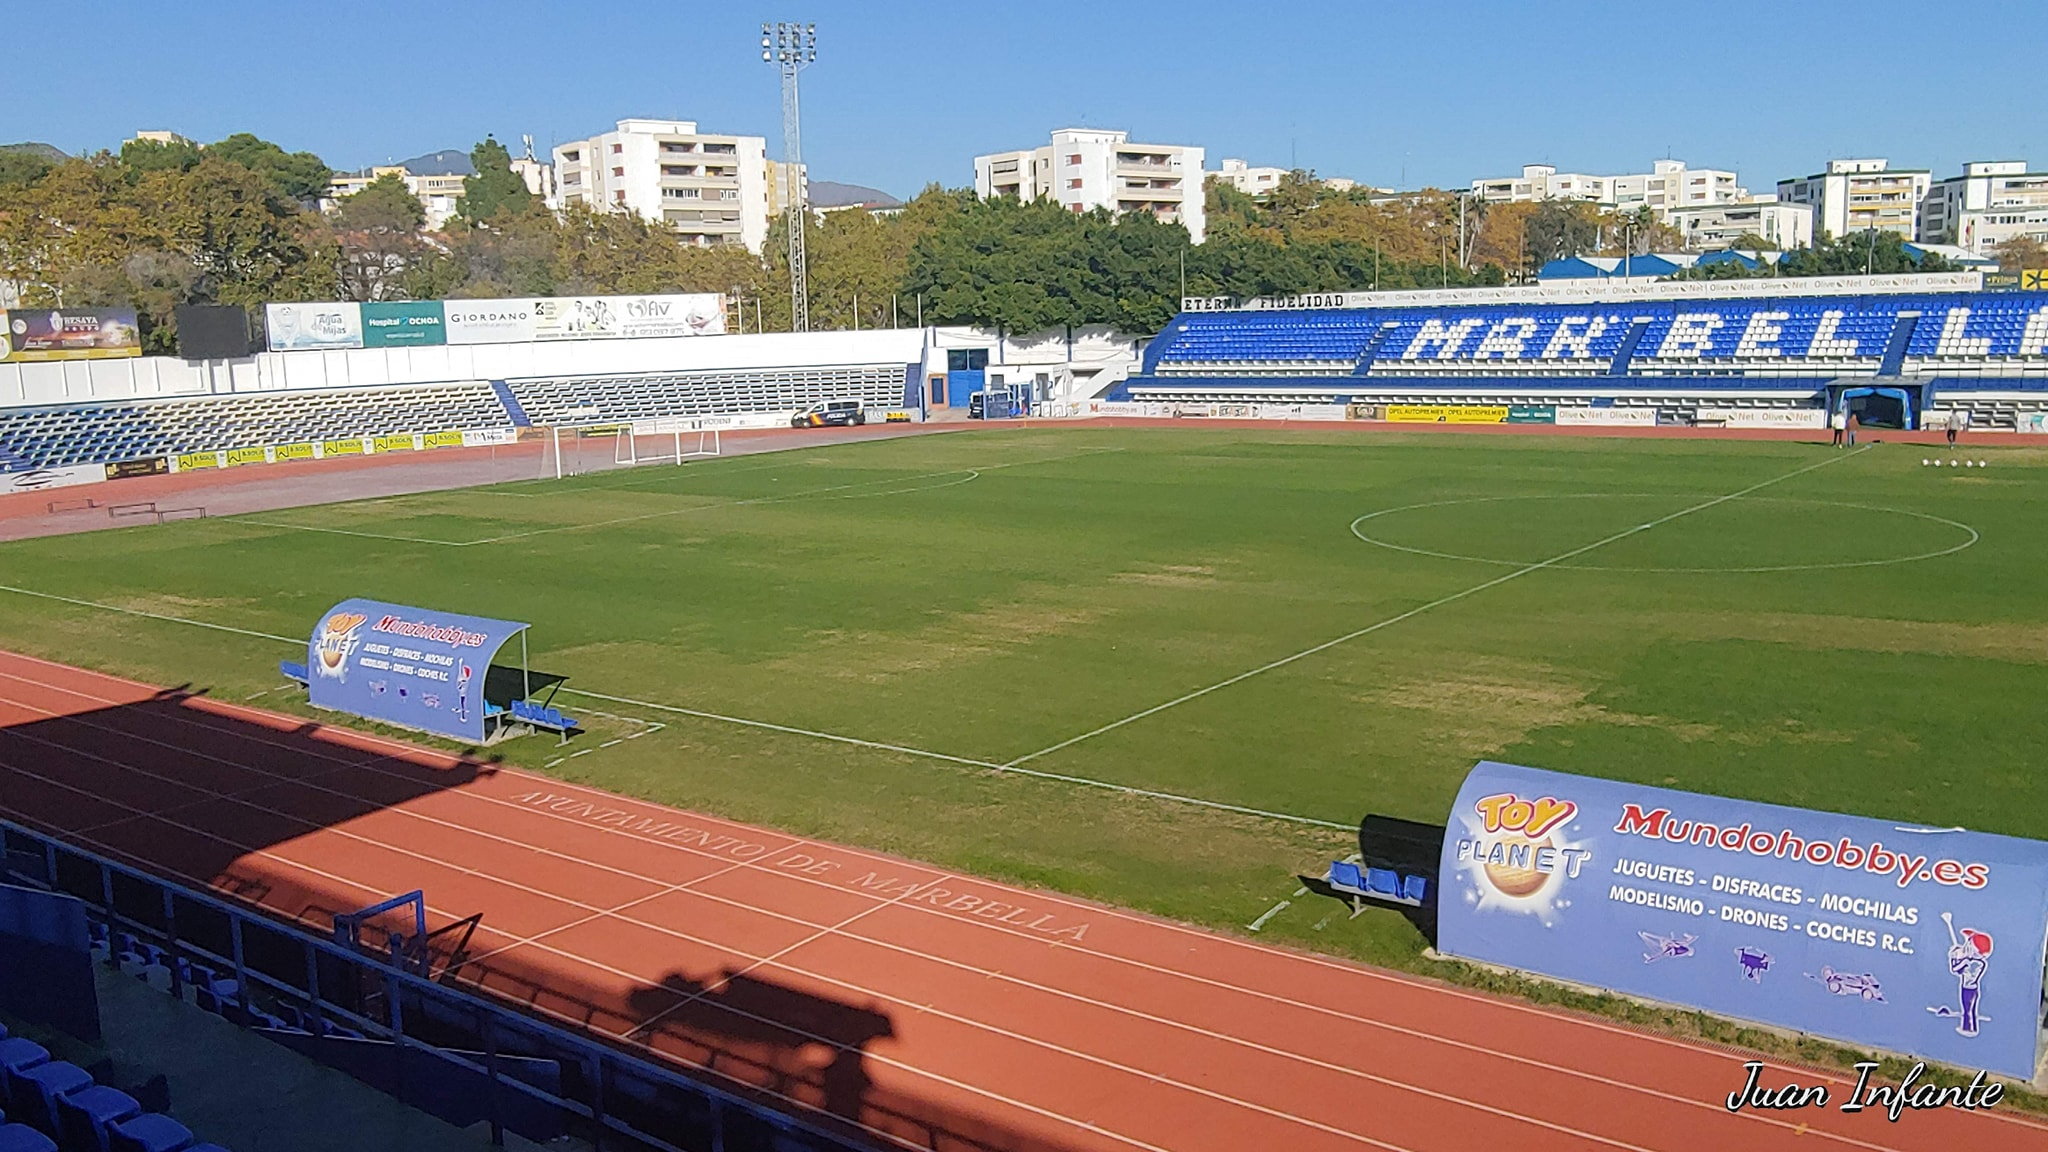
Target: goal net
{"x": 573, "y": 449}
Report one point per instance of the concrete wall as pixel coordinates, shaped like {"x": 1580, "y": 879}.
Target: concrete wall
{"x": 82, "y": 381}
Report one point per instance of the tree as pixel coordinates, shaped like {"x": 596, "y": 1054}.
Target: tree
{"x": 377, "y": 231}
{"x": 21, "y": 166}
{"x": 2022, "y": 252}
{"x": 300, "y": 177}
{"x": 493, "y": 188}
{"x": 1751, "y": 242}
{"x": 1871, "y": 250}
{"x": 139, "y": 156}
{"x": 1561, "y": 228}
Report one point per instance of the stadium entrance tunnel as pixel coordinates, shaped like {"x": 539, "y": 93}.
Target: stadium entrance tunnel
{"x": 1879, "y": 406}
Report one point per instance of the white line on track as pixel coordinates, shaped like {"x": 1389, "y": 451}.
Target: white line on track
{"x": 655, "y": 984}
{"x": 1175, "y": 973}
{"x": 1439, "y": 602}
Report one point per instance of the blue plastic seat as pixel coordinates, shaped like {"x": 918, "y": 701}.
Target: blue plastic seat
{"x": 84, "y": 1117}
{"x": 1415, "y": 888}
{"x": 37, "y": 1090}
{"x": 1346, "y": 875}
{"x": 16, "y": 1057}
{"x": 22, "y": 1138}
{"x": 149, "y": 1132}
{"x": 1382, "y": 881}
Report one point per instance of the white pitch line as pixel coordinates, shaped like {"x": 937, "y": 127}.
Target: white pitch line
{"x": 1317, "y": 961}
{"x": 812, "y": 733}
{"x": 1411, "y": 613}
{"x": 341, "y": 531}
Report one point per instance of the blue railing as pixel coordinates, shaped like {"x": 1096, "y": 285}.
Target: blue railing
{"x": 538, "y": 1080}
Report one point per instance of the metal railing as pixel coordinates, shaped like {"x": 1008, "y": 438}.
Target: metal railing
{"x": 259, "y": 972}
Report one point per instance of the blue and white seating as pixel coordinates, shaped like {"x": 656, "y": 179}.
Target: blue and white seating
{"x": 1983, "y": 351}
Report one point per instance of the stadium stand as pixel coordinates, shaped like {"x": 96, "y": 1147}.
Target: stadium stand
{"x": 718, "y": 393}
{"x": 111, "y": 431}
{"x": 1983, "y": 352}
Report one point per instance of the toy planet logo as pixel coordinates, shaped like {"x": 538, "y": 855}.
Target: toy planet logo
{"x": 1515, "y": 854}
{"x": 337, "y": 638}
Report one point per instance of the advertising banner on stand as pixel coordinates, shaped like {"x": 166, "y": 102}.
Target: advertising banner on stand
{"x": 403, "y": 324}
{"x": 1922, "y": 941}
{"x": 1447, "y": 413}
{"x": 308, "y": 327}
{"x": 413, "y": 667}
{"x": 29, "y": 334}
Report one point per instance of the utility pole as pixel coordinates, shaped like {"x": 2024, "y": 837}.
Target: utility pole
{"x": 791, "y": 47}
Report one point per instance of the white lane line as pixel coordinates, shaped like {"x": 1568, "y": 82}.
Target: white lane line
{"x": 823, "y": 931}
{"x": 655, "y": 984}
{"x": 759, "y": 864}
{"x": 1411, "y": 613}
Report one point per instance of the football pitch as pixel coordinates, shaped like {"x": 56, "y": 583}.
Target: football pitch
{"x": 1169, "y": 668}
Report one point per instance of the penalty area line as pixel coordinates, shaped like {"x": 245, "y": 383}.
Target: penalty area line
{"x": 1411, "y": 613}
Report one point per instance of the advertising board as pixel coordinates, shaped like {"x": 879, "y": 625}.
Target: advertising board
{"x": 1447, "y": 414}
{"x": 311, "y": 327}
{"x": 403, "y": 324}
{"x": 1919, "y": 940}
{"x": 30, "y": 334}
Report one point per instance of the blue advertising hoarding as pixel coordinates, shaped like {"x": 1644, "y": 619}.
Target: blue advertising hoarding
{"x": 1923, "y": 941}
{"x": 413, "y": 667}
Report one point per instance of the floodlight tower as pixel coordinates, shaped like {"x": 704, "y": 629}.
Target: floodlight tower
{"x": 790, "y": 47}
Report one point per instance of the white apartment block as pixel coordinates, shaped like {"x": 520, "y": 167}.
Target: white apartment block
{"x": 437, "y": 195}
{"x": 1860, "y": 194}
{"x": 712, "y": 189}
{"x": 1247, "y": 179}
{"x": 1667, "y": 187}
{"x": 1544, "y": 182}
{"x": 1084, "y": 169}
{"x": 1713, "y": 227}
{"x": 1991, "y": 202}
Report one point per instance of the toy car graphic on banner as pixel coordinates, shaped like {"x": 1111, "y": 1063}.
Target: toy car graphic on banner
{"x": 413, "y": 667}
{"x": 1922, "y": 941}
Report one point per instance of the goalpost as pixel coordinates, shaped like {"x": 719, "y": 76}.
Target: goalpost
{"x": 670, "y": 440}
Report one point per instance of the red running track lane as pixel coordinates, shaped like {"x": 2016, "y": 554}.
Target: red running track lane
{"x": 931, "y": 1010}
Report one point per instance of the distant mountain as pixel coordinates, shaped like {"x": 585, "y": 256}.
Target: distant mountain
{"x": 827, "y": 194}
{"x": 35, "y": 148}
{"x": 446, "y": 162}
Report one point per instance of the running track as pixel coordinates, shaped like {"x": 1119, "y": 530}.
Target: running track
{"x": 932, "y": 1010}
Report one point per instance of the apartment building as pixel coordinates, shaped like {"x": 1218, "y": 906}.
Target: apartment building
{"x": 1085, "y": 168}
{"x": 437, "y": 194}
{"x": 1713, "y": 227}
{"x": 1991, "y": 202}
{"x": 712, "y": 189}
{"x": 1667, "y": 187}
{"x": 1855, "y": 195}
{"x": 1247, "y": 179}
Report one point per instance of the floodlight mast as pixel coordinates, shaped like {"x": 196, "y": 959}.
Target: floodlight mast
{"x": 791, "y": 47}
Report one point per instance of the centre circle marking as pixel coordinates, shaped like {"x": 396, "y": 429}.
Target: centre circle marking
{"x": 1358, "y": 530}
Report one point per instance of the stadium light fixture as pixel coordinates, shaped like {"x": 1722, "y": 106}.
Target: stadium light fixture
{"x": 791, "y": 47}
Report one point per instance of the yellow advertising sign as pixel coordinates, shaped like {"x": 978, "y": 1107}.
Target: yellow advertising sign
{"x": 295, "y": 451}
{"x": 195, "y": 460}
{"x": 2034, "y": 277}
{"x": 240, "y": 456}
{"x": 392, "y": 443}
{"x": 444, "y": 439}
{"x": 341, "y": 448}
{"x": 1447, "y": 414}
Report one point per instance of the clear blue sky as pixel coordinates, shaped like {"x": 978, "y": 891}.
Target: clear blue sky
{"x": 1385, "y": 91}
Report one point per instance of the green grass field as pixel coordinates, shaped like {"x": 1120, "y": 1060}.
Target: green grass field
{"x": 976, "y": 598}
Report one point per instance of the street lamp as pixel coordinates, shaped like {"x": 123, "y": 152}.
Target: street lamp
{"x": 1628, "y": 248}
{"x": 791, "y": 47}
